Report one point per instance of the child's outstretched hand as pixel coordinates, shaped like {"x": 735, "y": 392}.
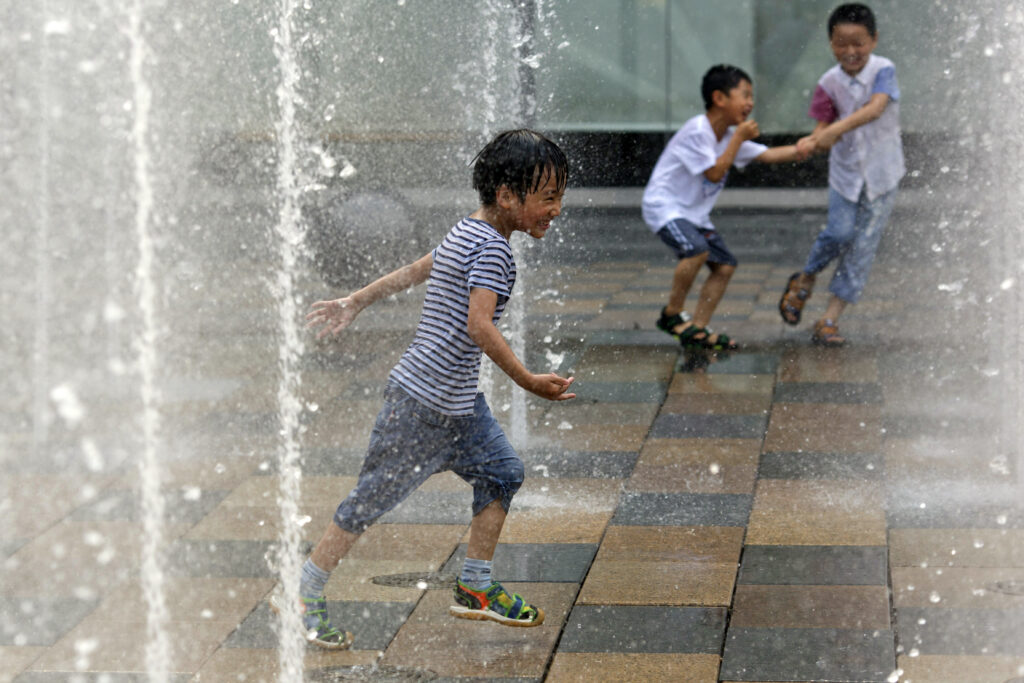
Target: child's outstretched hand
{"x": 334, "y": 316}
{"x": 552, "y": 387}
{"x": 805, "y": 147}
{"x": 748, "y": 130}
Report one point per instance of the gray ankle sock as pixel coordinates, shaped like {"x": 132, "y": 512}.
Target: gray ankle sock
{"x": 476, "y": 573}
{"x": 313, "y": 580}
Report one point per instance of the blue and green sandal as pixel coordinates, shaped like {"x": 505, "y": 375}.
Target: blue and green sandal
{"x": 494, "y": 603}
{"x": 317, "y": 627}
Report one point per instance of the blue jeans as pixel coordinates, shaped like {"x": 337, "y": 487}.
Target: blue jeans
{"x": 852, "y": 235}
{"x": 687, "y": 239}
{"x": 410, "y": 442}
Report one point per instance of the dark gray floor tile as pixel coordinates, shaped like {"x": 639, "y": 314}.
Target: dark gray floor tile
{"x": 180, "y": 506}
{"x": 40, "y": 621}
{"x": 908, "y": 426}
{"x": 745, "y": 364}
{"x": 433, "y": 507}
{"x": 682, "y": 426}
{"x": 946, "y": 631}
{"x": 814, "y": 565}
{"x": 904, "y": 514}
{"x": 536, "y": 562}
{"x": 373, "y": 624}
{"x": 645, "y": 337}
{"x": 620, "y": 392}
{"x": 827, "y": 392}
{"x": 821, "y": 466}
{"x": 588, "y": 464}
{"x": 395, "y": 674}
{"x": 797, "y": 654}
{"x": 202, "y": 559}
{"x": 682, "y": 509}
{"x": 622, "y": 628}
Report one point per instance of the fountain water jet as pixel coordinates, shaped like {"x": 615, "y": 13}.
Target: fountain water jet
{"x": 151, "y": 497}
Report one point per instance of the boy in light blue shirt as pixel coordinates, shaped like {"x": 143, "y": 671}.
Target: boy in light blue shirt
{"x": 856, "y": 104}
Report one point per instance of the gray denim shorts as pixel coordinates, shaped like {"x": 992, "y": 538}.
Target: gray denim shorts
{"x": 410, "y": 442}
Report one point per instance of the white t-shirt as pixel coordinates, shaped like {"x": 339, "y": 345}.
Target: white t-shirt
{"x": 678, "y": 188}
{"x": 441, "y": 366}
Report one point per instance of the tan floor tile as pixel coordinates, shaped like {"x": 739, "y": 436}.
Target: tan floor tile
{"x": 829, "y": 428}
{"x": 956, "y": 548}
{"x": 261, "y": 666}
{"x": 14, "y": 660}
{"x": 207, "y": 474}
{"x": 813, "y": 364}
{"x": 960, "y": 669}
{"x": 621, "y": 319}
{"x": 557, "y": 493}
{"x": 190, "y": 599}
{"x": 566, "y": 305}
{"x": 22, "y": 516}
{"x": 595, "y": 287}
{"x": 712, "y": 544}
{"x": 852, "y": 607}
{"x": 257, "y": 523}
{"x": 653, "y": 298}
{"x": 431, "y": 635}
{"x": 817, "y": 513}
{"x": 686, "y": 383}
{"x": 317, "y": 492}
{"x": 353, "y": 580}
{"x": 117, "y": 646}
{"x": 696, "y": 466}
{"x": 425, "y": 543}
{"x": 624, "y": 582}
{"x": 84, "y": 558}
{"x": 612, "y": 667}
{"x": 547, "y": 525}
{"x": 444, "y": 481}
{"x": 594, "y": 437}
{"x": 956, "y": 587}
{"x": 717, "y": 404}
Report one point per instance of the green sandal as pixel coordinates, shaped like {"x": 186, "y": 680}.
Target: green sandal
{"x": 666, "y": 323}
{"x": 494, "y": 603}
{"x": 700, "y": 337}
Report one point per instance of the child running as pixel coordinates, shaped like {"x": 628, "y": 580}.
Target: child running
{"x": 684, "y": 185}
{"x": 433, "y": 417}
{"x": 856, "y": 105}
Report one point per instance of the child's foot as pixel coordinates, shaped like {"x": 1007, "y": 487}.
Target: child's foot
{"x": 703, "y": 338}
{"x": 494, "y": 603}
{"x": 317, "y": 627}
{"x": 826, "y": 333}
{"x": 670, "y": 323}
{"x": 793, "y": 298}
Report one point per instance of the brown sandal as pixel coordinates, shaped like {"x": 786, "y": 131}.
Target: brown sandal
{"x": 826, "y": 333}
{"x": 792, "y": 302}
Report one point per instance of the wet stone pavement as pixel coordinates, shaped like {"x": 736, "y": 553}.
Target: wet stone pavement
{"x": 784, "y": 513}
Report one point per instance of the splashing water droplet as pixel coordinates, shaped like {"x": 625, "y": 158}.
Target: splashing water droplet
{"x": 934, "y": 597}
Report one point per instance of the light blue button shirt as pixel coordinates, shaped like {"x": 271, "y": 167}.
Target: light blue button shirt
{"x": 870, "y": 156}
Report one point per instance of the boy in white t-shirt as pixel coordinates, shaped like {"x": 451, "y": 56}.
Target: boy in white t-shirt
{"x": 856, "y": 105}
{"x": 684, "y": 185}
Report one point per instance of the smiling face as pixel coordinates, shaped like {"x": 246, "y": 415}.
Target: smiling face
{"x": 534, "y": 213}
{"x": 737, "y": 103}
{"x": 852, "y": 45}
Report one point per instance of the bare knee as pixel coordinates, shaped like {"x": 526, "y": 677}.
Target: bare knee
{"x": 722, "y": 270}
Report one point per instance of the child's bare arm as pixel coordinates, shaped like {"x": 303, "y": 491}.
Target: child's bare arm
{"x": 776, "y": 155}
{"x": 334, "y": 316}
{"x": 866, "y": 114}
{"x": 747, "y": 130}
{"x": 481, "y": 329}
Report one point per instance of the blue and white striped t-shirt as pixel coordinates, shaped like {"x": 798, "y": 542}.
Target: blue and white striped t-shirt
{"x": 442, "y": 365}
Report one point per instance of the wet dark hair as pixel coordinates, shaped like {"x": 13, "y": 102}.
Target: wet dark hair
{"x": 853, "y": 13}
{"x": 521, "y": 160}
{"x": 723, "y": 77}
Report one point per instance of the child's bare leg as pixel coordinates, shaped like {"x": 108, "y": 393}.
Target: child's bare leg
{"x": 836, "y": 306}
{"x": 682, "y": 279}
{"x": 806, "y": 281}
{"x": 333, "y": 545}
{"x": 711, "y": 293}
{"x": 484, "y": 531}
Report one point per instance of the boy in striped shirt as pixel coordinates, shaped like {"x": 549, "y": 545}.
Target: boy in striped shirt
{"x": 433, "y": 418}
